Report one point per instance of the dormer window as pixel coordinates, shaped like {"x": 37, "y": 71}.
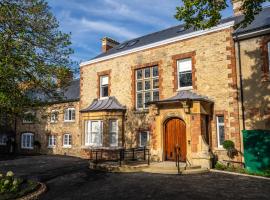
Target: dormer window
{"x": 104, "y": 86}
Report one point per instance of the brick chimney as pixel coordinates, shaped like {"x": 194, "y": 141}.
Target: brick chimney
{"x": 236, "y": 7}
{"x": 108, "y": 43}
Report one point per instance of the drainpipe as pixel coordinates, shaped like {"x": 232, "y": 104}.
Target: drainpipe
{"x": 241, "y": 82}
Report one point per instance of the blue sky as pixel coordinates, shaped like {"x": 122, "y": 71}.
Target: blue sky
{"x": 90, "y": 20}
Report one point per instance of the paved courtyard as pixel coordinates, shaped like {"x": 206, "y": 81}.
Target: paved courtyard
{"x": 69, "y": 178}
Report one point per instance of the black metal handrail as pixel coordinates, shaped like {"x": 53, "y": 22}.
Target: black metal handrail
{"x": 177, "y": 158}
{"x": 120, "y": 155}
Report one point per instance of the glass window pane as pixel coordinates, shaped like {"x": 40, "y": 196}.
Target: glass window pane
{"x": 104, "y": 91}
{"x": 147, "y": 85}
{"x": 144, "y": 139}
{"x": 95, "y": 126}
{"x": 220, "y": 119}
{"x": 184, "y": 65}
{"x": 139, "y": 74}
{"x": 155, "y": 71}
{"x": 221, "y": 134}
{"x": 113, "y": 139}
{"x": 139, "y": 86}
{"x": 155, "y": 95}
{"x": 104, "y": 80}
{"x": 139, "y": 100}
{"x": 155, "y": 83}
{"x": 146, "y": 72}
{"x": 147, "y": 97}
{"x": 185, "y": 79}
{"x": 113, "y": 126}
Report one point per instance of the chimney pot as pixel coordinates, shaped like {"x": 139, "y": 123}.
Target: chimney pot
{"x": 108, "y": 43}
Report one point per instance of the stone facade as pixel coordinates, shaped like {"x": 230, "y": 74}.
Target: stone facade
{"x": 256, "y": 82}
{"x": 214, "y": 75}
{"x": 42, "y": 128}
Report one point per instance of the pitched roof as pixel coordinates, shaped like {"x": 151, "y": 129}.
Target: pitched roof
{"x": 184, "y": 96}
{"x": 262, "y": 20}
{"x": 69, "y": 93}
{"x": 108, "y": 104}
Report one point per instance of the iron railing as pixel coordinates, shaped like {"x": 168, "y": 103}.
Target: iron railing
{"x": 177, "y": 158}
{"x": 120, "y": 155}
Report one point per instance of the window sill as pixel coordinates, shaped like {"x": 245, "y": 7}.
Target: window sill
{"x": 219, "y": 149}
{"x": 51, "y": 147}
{"x": 28, "y": 148}
{"x": 67, "y": 147}
{"x": 185, "y": 88}
{"x": 72, "y": 121}
{"x": 53, "y": 122}
{"x": 103, "y": 98}
{"x": 141, "y": 111}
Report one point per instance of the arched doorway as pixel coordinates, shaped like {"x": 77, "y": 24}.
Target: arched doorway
{"x": 175, "y": 135}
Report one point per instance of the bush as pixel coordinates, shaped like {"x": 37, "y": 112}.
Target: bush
{"x": 8, "y": 183}
{"x": 220, "y": 166}
{"x": 229, "y": 146}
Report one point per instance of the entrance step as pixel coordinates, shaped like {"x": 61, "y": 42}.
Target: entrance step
{"x": 170, "y": 168}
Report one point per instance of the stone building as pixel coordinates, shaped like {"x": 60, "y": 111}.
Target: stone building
{"x": 190, "y": 89}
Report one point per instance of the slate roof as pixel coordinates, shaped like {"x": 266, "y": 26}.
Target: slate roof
{"x": 70, "y": 93}
{"x": 261, "y": 21}
{"x": 108, "y": 104}
{"x": 183, "y": 96}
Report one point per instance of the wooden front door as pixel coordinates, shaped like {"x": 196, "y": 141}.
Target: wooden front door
{"x": 175, "y": 135}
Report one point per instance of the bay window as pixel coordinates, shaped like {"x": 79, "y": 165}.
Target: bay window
{"x": 113, "y": 133}
{"x": 93, "y": 132}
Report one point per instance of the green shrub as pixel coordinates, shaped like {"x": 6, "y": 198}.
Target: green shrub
{"x": 228, "y": 144}
{"x": 220, "y": 166}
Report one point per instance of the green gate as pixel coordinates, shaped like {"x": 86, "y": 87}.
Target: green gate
{"x": 257, "y": 150}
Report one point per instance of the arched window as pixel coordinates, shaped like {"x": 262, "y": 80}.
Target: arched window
{"x": 27, "y": 141}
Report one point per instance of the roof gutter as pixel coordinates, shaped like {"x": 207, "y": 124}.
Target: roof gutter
{"x": 160, "y": 43}
{"x": 251, "y": 34}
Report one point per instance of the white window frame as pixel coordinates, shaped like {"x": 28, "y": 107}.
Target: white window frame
{"x": 88, "y": 133}
{"x": 143, "y": 80}
{"x": 218, "y": 125}
{"x": 69, "y": 139}
{"x": 113, "y": 132}
{"x": 69, "y": 110}
{"x": 103, "y": 86}
{"x": 28, "y": 121}
{"x": 54, "y": 116}
{"x": 31, "y": 143}
{"x": 140, "y": 138}
{"x": 179, "y": 71}
{"x": 3, "y": 139}
{"x": 51, "y": 141}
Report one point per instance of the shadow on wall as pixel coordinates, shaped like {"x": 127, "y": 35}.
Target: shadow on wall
{"x": 256, "y": 89}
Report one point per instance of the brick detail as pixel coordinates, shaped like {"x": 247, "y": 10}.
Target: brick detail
{"x": 175, "y": 75}
{"x": 103, "y": 73}
{"x": 133, "y": 80}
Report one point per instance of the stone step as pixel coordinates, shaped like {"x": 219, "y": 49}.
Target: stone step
{"x": 195, "y": 171}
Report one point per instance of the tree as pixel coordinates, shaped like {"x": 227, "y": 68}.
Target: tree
{"x": 202, "y": 14}
{"x": 33, "y": 54}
